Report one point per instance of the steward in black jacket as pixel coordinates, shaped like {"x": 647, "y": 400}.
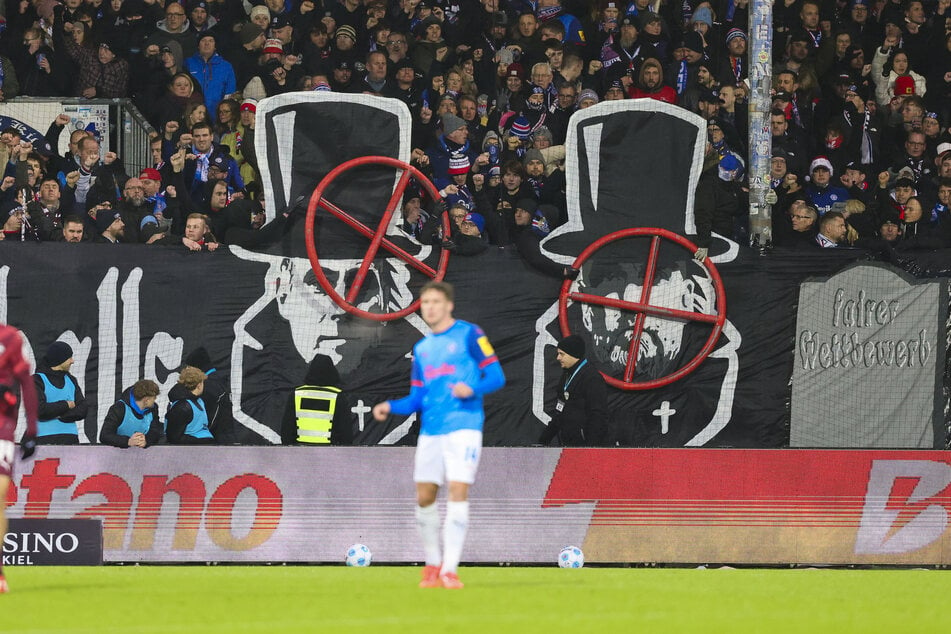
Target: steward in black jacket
{"x": 581, "y": 413}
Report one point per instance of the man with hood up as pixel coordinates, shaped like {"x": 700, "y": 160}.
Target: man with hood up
{"x": 318, "y": 412}
{"x": 650, "y": 83}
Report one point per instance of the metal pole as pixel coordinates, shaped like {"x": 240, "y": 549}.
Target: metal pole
{"x": 760, "y": 102}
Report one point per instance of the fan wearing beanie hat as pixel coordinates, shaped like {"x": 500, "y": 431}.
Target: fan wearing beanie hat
{"x": 57, "y": 354}
{"x": 250, "y": 35}
{"x": 476, "y": 220}
{"x": 521, "y": 128}
{"x": 820, "y": 162}
{"x": 733, "y": 67}
{"x": 581, "y": 417}
{"x": 459, "y": 165}
{"x": 110, "y": 226}
{"x": 904, "y": 86}
{"x": 571, "y": 346}
{"x": 456, "y": 191}
{"x": 470, "y": 239}
{"x": 453, "y": 143}
{"x": 587, "y": 97}
{"x": 61, "y": 403}
{"x": 451, "y": 123}
{"x": 820, "y": 191}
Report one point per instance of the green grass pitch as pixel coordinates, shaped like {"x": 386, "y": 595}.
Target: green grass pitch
{"x": 267, "y": 599}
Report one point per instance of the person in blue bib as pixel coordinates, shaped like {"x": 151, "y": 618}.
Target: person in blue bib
{"x": 453, "y": 368}
{"x": 133, "y": 421}
{"x": 186, "y": 420}
{"x": 61, "y": 403}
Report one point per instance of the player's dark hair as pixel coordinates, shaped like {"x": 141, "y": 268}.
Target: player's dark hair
{"x": 443, "y": 287}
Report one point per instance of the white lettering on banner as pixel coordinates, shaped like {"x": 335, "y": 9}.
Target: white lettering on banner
{"x": 163, "y": 350}
{"x": 862, "y": 312}
{"x": 108, "y": 345}
{"x": 40, "y": 542}
{"x": 877, "y": 534}
{"x": 849, "y": 351}
{"x": 17, "y": 560}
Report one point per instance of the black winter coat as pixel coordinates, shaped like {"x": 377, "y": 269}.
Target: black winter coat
{"x": 584, "y": 420}
{"x": 715, "y": 205}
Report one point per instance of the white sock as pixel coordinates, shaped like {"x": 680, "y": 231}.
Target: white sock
{"x": 454, "y": 534}
{"x": 427, "y": 523}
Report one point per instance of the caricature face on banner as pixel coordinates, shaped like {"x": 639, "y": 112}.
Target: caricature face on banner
{"x": 298, "y": 154}
{"x": 602, "y": 174}
{"x": 262, "y": 315}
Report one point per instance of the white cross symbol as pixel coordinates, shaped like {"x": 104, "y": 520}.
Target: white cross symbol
{"x": 665, "y": 413}
{"x": 361, "y": 410}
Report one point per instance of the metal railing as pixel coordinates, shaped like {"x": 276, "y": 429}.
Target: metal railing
{"x": 127, "y": 132}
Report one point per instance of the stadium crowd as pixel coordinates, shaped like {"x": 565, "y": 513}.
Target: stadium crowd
{"x": 859, "y": 115}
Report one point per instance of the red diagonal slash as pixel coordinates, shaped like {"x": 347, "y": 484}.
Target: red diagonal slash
{"x": 644, "y": 308}
{"x": 377, "y": 237}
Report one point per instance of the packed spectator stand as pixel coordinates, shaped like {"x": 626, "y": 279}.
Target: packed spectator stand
{"x": 859, "y": 120}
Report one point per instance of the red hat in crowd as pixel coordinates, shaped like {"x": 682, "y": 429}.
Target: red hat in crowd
{"x": 904, "y": 85}
{"x": 249, "y": 105}
{"x": 150, "y": 174}
{"x": 458, "y": 164}
{"x": 274, "y": 46}
{"x": 515, "y": 70}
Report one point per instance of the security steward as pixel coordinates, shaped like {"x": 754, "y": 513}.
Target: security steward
{"x": 61, "y": 403}
{"x": 318, "y": 412}
{"x": 581, "y": 410}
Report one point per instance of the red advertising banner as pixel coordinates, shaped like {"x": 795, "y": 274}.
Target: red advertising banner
{"x": 760, "y": 506}
{"x": 182, "y": 504}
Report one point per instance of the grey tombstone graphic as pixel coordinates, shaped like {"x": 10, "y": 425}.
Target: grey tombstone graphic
{"x": 869, "y": 358}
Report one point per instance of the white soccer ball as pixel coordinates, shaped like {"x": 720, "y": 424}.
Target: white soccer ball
{"x": 359, "y": 555}
{"x": 570, "y": 557}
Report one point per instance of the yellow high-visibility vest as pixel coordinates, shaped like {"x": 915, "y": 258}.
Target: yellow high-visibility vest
{"x": 315, "y": 407}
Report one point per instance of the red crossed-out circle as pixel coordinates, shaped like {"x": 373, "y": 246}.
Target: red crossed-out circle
{"x": 377, "y": 237}
{"x": 644, "y": 308}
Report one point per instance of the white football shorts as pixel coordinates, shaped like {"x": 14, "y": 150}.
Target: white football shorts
{"x": 452, "y": 457}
